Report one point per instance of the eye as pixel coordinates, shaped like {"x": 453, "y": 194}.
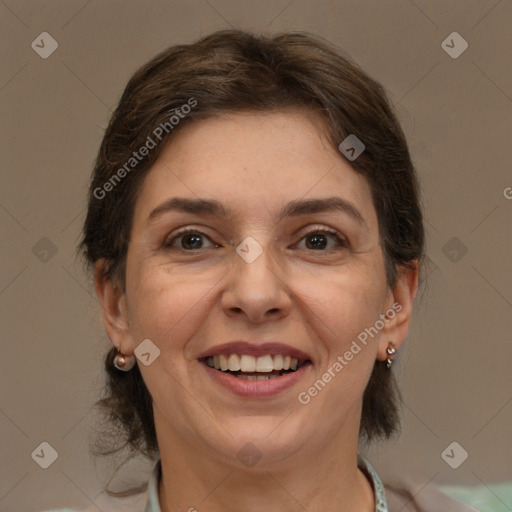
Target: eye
{"x": 317, "y": 239}
{"x": 190, "y": 239}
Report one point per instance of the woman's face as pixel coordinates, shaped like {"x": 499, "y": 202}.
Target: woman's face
{"x": 265, "y": 266}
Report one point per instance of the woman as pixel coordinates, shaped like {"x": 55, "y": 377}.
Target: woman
{"x": 256, "y": 238}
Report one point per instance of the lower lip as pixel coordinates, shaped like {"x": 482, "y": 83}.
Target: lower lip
{"x": 257, "y": 388}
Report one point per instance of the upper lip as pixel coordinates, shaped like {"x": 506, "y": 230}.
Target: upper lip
{"x": 255, "y": 349}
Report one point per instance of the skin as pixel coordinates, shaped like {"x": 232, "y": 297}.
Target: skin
{"x": 316, "y": 299}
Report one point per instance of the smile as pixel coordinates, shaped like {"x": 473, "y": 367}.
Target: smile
{"x": 249, "y": 367}
{"x": 262, "y": 377}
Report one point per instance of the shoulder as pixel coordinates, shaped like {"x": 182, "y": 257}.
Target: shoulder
{"x": 429, "y": 499}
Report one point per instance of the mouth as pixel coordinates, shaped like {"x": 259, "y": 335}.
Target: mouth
{"x": 249, "y": 367}
{"x": 257, "y": 369}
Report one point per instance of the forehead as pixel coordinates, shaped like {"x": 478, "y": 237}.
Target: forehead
{"x": 253, "y": 161}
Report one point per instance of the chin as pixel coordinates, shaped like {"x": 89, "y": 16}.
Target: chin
{"x": 262, "y": 442}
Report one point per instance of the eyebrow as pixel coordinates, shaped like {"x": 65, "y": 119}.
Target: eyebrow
{"x": 292, "y": 209}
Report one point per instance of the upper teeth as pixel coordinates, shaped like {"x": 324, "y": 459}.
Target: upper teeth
{"x": 246, "y": 363}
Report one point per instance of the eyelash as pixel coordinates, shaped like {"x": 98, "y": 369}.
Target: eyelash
{"x": 337, "y": 236}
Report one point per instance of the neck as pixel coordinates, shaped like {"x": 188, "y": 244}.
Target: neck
{"x": 315, "y": 478}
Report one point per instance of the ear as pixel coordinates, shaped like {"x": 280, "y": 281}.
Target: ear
{"x": 399, "y": 305}
{"x": 113, "y": 305}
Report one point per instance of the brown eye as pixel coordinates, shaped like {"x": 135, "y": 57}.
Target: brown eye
{"x": 318, "y": 239}
{"x": 190, "y": 240}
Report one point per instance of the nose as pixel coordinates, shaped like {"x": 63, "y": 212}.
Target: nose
{"x": 256, "y": 290}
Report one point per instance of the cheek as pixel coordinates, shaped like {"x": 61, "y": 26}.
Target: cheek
{"x": 346, "y": 307}
{"x": 348, "y": 300}
{"x": 166, "y": 307}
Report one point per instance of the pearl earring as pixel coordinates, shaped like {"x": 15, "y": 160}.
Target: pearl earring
{"x": 123, "y": 362}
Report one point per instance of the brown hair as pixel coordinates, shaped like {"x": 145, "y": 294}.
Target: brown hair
{"x": 232, "y": 70}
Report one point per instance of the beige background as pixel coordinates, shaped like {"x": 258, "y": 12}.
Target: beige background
{"x": 457, "y": 113}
